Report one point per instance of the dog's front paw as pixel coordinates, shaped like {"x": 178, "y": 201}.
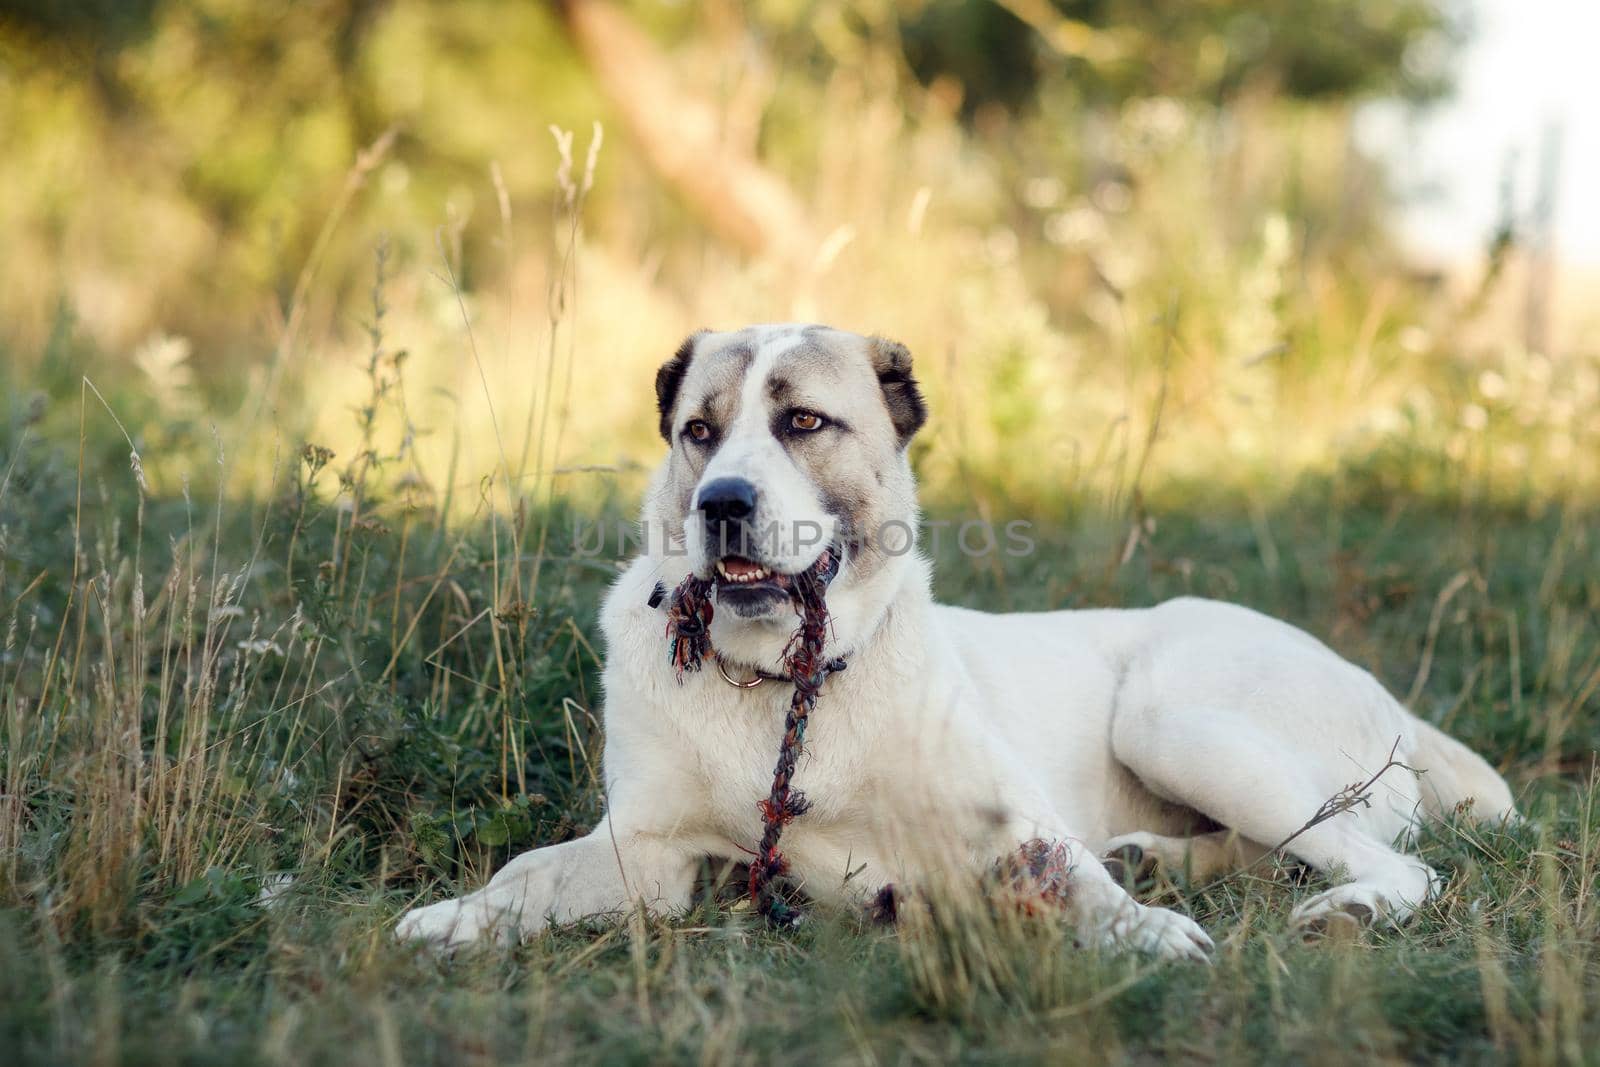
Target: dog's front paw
{"x": 453, "y": 924}
{"x": 1158, "y": 931}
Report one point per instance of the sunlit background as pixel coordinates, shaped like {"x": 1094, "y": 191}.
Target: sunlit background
{"x": 1200, "y": 242}
{"x": 1514, "y": 126}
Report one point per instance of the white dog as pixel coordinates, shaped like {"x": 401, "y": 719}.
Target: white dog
{"x": 1195, "y": 734}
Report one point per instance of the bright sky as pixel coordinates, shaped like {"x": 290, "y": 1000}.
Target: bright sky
{"x": 1530, "y": 64}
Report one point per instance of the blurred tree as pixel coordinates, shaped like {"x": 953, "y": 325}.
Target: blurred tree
{"x": 681, "y": 135}
{"x": 988, "y": 51}
{"x": 999, "y": 50}
{"x": 174, "y": 161}
{"x": 101, "y": 24}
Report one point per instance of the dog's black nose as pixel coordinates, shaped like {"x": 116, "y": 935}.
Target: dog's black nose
{"x": 727, "y": 500}
{"x": 729, "y": 505}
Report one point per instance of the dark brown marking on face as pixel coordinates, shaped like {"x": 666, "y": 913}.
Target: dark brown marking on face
{"x": 740, "y": 354}
{"x": 720, "y": 405}
{"x": 670, "y": 377}
{"x": 851, "y": 507}
{"x": 784, "y": 397}
{"x": 815, "y": 441}
{"x": 907, "y": 410}
{"x": 724, "y": 369}
{"x": 712, "y": 392}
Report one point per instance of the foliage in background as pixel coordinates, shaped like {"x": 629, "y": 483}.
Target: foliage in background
{"x": 1084, "y": 259}
{"x": 1002, "y": 52}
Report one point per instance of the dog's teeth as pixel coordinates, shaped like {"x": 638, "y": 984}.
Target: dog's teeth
{"x": 742, "y": 575}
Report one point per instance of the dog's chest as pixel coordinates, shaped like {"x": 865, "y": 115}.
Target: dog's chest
{"x": 735, "y": 736}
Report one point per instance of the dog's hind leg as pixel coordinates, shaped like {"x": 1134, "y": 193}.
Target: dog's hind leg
{"x": 1265, "y": 783}
{"x": 1134, "y": 857}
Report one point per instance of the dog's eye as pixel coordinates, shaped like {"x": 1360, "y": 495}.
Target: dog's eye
{"x": 805, "y": 421}
{"x": 698, "y": 430}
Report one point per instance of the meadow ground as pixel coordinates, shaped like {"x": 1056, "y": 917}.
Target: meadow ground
{"x": 239, "y": 740}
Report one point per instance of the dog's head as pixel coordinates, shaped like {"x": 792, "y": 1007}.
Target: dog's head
{"x": 785, "y": 440}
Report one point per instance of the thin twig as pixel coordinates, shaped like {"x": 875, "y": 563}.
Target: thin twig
{"x": 1350, "y": 797}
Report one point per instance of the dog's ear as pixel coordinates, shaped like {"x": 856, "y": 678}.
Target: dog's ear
{"x": 669, "y": 377}
{"x": 907, "y": 410}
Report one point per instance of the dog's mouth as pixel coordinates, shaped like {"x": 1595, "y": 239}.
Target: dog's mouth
{"x": 752, "y": 588}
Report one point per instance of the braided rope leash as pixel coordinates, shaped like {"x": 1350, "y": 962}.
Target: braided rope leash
{"x": 689, "y": 645}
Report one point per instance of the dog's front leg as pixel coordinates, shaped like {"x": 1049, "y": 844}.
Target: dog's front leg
{"x": 1062, "y": 867}
{"x": 602, "y": 873}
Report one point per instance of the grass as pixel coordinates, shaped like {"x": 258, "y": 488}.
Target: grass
{"x": 239, "y": 740}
